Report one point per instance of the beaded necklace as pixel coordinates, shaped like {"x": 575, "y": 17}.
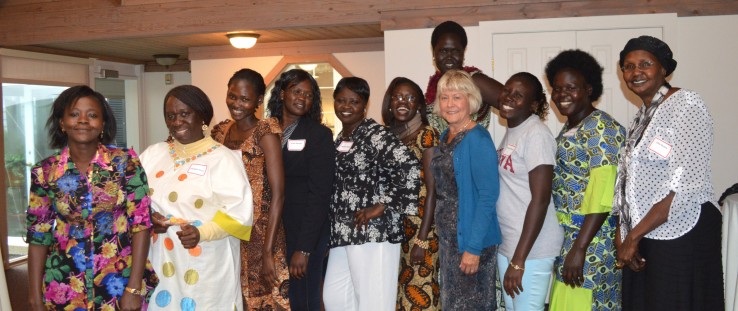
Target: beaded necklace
{"x": 182, "y": 160}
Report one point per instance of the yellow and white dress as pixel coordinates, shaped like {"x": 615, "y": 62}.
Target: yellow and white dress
{"x": 202, "y": 183}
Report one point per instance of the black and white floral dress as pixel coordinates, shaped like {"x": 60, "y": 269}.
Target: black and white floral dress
{"x": 377, "y": 168}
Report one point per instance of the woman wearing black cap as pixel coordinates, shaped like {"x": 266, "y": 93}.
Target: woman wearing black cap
{"x": 669, "y": 237}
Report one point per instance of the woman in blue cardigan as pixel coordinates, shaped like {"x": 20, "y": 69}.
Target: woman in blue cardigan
{"x": 464, "y": 168}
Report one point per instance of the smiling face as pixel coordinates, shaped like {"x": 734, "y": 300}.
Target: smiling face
{"x": 454, "y": 107}
{"x": 643, "y": 74}
{"x": 571, "y": 95}
{"x": 242, "y": 100}
{"x": 404, "y": 103}
{"x": 516, "y": 101}
{"x": 349, "y": 108}
{"x": 184, "y": 123}
{"x": 83, "y": 121}
{"x": 298, "y": 100}
{"x": 448, "y": 53}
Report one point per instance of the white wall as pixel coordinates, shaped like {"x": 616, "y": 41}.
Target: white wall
{"x": 212, "y": 76}
{"x": 707, "y": 64}
{"x": 703, "y": 49}
{"x": 152, "y": 107}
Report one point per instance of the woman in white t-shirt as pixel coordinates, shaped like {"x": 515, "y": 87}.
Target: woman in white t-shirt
{"x": 531, "y": 237}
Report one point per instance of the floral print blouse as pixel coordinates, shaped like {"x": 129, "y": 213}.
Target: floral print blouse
{"x": 87, "y": 221}
{"x": 376, "y": 168}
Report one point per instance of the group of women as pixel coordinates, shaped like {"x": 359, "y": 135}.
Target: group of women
{"x": 424, "y": 212}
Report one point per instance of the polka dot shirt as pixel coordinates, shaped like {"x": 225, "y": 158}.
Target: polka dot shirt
{"x": 674, "y": 154}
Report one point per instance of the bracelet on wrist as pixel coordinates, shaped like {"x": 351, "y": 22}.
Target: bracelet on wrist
{"x": 304, "y": 253}
{"x": 139, "y": 292}
{"x": 424, "y": 244}
{"x": 516, "y": 267}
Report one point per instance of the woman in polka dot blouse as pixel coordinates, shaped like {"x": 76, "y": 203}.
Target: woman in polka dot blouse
{"x": 669, "y": 239}
{"x": 201, "y": 202}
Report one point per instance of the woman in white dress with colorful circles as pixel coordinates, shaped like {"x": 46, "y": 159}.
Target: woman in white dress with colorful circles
{"x": 201, "y": 202}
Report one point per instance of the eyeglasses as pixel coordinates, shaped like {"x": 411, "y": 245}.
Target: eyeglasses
{"x": 300, "y": 93}
{"x": 407, "y": 98}
{"x": 641, "y": 66}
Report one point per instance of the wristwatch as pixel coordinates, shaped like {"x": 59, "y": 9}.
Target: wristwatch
{"x": 139, "y": 292}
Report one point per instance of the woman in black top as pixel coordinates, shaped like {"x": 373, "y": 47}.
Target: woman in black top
{"x": 308, "y": 154}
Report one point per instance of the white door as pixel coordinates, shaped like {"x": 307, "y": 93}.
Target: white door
{"x": 531, "y": 51}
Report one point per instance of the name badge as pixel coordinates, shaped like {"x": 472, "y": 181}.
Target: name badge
{"x": 296, "y": 144}
{"x": 660, "y": 147}
{"x": 509, "y": 149}
{"x": 198, "y": 169}
{"x": 345, "y": 146}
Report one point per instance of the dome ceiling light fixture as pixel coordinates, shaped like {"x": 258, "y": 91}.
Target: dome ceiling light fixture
{"x": 242, "y": 40}
{"x": 166, "y": 60}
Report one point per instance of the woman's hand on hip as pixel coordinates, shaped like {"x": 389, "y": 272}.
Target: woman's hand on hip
{"x": 469, "y": 263}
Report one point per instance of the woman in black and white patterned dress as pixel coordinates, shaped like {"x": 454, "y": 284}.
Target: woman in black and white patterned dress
{"x": 377, "y": 177}
{"x": 669, "y": 237}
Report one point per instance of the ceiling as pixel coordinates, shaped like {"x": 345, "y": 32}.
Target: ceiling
{"x": 140, "y": 50}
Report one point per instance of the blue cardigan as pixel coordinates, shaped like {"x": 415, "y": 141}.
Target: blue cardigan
{"x": 477, "y": 181}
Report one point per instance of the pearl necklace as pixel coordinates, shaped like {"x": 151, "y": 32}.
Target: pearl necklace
{"x": 179, "y": 161}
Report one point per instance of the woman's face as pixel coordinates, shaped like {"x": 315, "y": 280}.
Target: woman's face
{"x": 83, "y": 121}
{"x": 404, "y": 103}
{"x": 184, "y": 123}
{"x": 516, "y": 101}
{"x": 298, "y": 99}
{"x": 643, "y": 74}
{"x": 448, "y": 53}
{"x": 242, "y": 100}
{"x": 454, "y": 106}
{"x": 349, "y": 107}
{"x": 570, "y": 93}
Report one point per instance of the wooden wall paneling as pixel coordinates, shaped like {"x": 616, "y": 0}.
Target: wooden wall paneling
{"x": 289, "y": 48}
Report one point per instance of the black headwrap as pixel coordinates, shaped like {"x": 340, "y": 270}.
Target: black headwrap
{"x": 658, "y": 48}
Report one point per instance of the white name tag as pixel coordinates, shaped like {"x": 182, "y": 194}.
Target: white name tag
{"x": 345, "y": 146}
{"x": 198, "y": 169}
{"x": 509, "y": 149}
{"x": 660, "y": 147}
{"x": 296, "y": 144}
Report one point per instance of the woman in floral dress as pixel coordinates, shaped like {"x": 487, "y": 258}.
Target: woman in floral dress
{"x": 88, "y": 214}
{"x": 403, "y": 111}
{"x": 264, "y": 282}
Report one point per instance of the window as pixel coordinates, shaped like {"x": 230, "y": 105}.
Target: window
{"x": 26, "y": 107}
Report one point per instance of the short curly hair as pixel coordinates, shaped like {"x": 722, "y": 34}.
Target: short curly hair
{"x": 448, "y": 27}
{"x": 581, "y": 62}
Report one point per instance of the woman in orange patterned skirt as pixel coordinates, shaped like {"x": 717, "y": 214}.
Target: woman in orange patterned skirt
{"x": 264, "y": 282}
{"x": 403, "y": 111}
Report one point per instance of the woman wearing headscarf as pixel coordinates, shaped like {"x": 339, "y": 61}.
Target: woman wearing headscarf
{"x": 202, "y": 210}
{"x": 669, "y": 237}
{"x": 403, "y": 111}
